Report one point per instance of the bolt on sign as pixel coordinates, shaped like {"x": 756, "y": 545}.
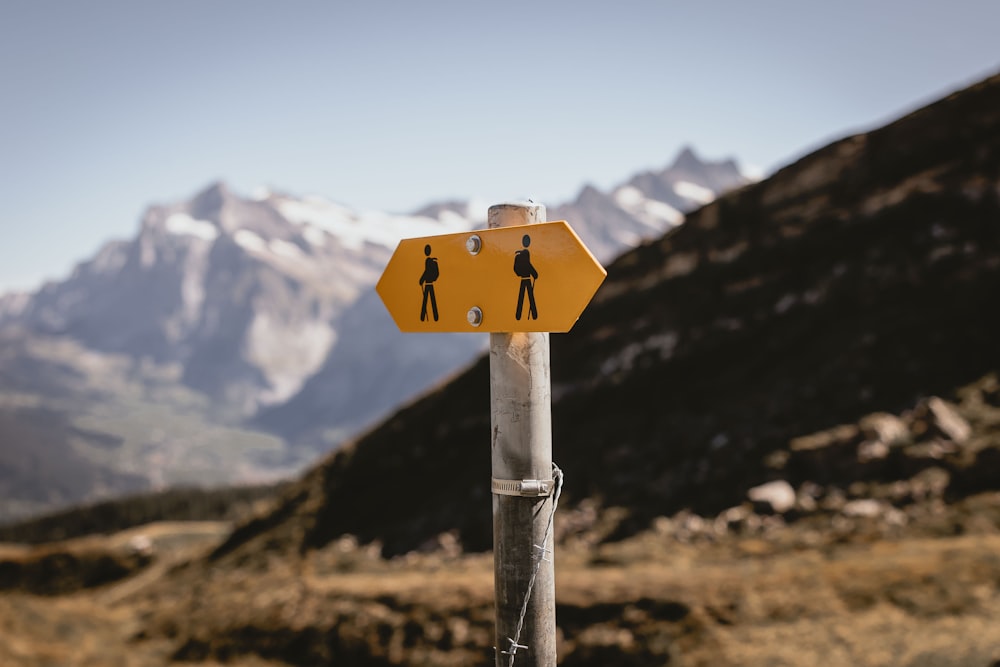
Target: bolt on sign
{"x": 526, "y": 278}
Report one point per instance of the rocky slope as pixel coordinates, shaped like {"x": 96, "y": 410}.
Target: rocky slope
{"x": 861, "y": 279}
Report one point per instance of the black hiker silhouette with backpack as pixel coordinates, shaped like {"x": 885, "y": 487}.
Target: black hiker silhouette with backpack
{"x": 528, "y": 275}
{"x": 427, "y": 281}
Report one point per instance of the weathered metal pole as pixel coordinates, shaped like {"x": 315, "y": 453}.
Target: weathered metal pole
{"x": 521, "y": 420}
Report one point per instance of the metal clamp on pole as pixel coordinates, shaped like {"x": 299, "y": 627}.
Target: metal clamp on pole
{"x": 526, "y": 488}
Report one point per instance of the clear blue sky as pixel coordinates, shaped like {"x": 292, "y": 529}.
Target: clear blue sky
{"x": 110, "y": 105}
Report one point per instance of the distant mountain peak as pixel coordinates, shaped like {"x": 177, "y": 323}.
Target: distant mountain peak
{"x": 687, "y": 159}
{"x": 589, "y": 193}
{"x": 210, "y": 200}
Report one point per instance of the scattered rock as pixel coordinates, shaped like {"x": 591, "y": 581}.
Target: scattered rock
{"x": 864, "y": 507}
{"x": 947, "y": 421}
{"x": 141, "y": 545}
{"x": 732, "y": 519}
{"x": 777, "y": 496}
{"x": 872, "y": 450}
{"x": 807, "y": 496}
{"x": 881, "y": 432}
{"x": 823, "y": 439}
{"x": 884, "y": 428}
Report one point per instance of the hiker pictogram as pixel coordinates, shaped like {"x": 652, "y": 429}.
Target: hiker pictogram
{"x": 427, "y": 279}
{"x": 480, "y": 293}
{"x": 528, "y": 275}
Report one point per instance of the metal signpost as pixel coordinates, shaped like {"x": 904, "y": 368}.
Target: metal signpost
{"x": 520, "y": 279}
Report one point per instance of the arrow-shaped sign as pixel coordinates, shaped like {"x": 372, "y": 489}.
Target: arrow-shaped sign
{"x": 527, "y": 278}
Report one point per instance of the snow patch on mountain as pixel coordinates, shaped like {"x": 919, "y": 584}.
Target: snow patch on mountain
{"x": 288, "y": 352}
{"x": 183, "y": 224}
{"x": 285, "y": 249}
{"x": 658, "y": 210}
{"x": 314, "y": 236}
{"x": 656, "y": 214}
{"x": 249, "y": 241}
{"x": 629, "y": 197}
{"x": 694, "y": 192}
{"x": 356, "y": 229}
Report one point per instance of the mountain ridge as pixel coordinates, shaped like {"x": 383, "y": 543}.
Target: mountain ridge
{"x": 263, "y": 308}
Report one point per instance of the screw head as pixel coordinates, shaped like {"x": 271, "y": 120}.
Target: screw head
{"x": 474, "y": 316}
{"x": 474, "y": 244}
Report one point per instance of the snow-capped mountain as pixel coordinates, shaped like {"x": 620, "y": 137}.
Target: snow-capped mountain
{"x": 244, "y": 294}
{"x": 648, "y": 204}
{"x": 264, "y": 307}
{"x": 374, "y": 367}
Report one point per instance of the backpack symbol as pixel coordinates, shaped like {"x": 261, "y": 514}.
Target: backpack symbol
{"x": 431, "y": 270}
{"x": 522, "y": 263}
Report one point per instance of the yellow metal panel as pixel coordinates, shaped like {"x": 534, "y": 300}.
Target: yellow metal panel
{"x": 545, "y": 267}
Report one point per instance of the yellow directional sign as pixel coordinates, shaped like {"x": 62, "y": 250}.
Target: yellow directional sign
{"x": 527, "y": 278}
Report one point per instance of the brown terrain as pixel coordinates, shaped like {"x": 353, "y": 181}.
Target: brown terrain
{"x": 780, "y": 428}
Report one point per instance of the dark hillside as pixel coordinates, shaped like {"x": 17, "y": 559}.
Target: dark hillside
{"x": 862, "y": 278}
